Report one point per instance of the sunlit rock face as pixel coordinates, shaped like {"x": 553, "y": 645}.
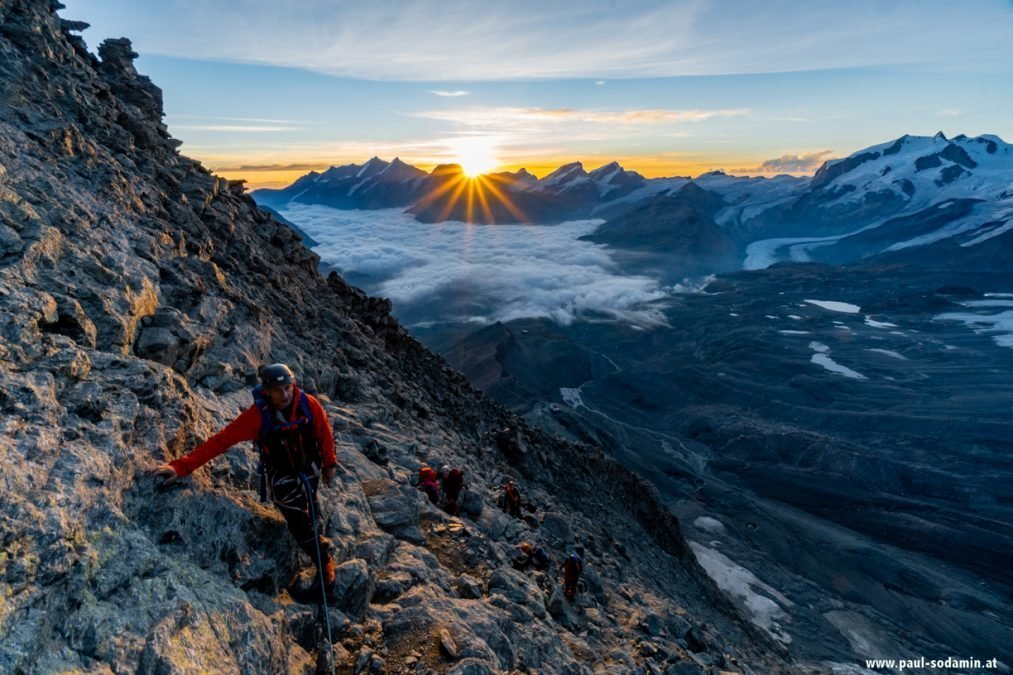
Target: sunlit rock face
{"x": 139, "y": 293}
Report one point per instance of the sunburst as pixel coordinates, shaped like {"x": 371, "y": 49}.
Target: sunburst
{"x": 472, "y": 194}
{"x": 472, "y": 199}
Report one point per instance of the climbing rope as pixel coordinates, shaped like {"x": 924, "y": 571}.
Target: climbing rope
{"x": 311, "y": 498}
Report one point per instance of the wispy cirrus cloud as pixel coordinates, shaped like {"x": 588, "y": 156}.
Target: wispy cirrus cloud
{"x": 506, "y": 117}
{"x": 185, "y": 116}
{"x": 791, "y": 163}
{"x": 294, "y": 166}
{"x": 453, "y": 94}
{"x": 234, "y": 128}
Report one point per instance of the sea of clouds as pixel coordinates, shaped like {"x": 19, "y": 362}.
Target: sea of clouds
{"x": 480, "y": 273}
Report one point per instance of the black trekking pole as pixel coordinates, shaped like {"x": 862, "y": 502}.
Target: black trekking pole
{"x": 310, "y": 497}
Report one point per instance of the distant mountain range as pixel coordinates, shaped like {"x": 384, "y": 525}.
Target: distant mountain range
{"x": 568, "y": 193}
{"x": 949, "y": 195}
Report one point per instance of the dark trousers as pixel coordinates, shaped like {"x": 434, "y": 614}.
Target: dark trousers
{"x": 451, "y": 495}
{"x": 570, "y": 585}
{"x": 290, "y": 496}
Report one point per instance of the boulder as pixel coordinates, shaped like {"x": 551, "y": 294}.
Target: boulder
{"x": 353, "y": 587}
{"x": 471, "y": 503}
{"x": 447, "y": 645}
{"x": 677, "y": 626}
{"x": 468, "y": 587}
{"x": 556, "y": 530}
{"x": 165, "y": 337}
{"x": 72, "y": 321}
{"x": 394, "y": 507}
{"x": 518, "y": 589}
{"x": 375, "y": 550}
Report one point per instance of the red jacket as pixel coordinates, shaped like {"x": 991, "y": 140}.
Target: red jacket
{"x": 246, "y": 427}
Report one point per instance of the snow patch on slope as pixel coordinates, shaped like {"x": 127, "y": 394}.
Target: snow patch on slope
{"x": 762, "y": 603}
{"x": 835, "y": 306}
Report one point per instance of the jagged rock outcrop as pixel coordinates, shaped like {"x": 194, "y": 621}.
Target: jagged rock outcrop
{"x": 139, "y": 294}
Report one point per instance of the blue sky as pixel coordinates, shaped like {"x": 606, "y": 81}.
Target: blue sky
{"x": 268, "y": 90}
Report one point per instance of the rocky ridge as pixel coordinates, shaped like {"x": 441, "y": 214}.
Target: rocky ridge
{"x": 139, "y": 294}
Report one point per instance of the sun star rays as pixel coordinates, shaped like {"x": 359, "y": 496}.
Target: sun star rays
{"x": 481, "y": 199}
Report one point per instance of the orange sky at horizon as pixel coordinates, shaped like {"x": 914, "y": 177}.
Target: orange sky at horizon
{"x": 270, "y": 177}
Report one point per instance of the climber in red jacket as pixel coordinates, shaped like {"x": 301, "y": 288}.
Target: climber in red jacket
{"x": 297, "y": 449}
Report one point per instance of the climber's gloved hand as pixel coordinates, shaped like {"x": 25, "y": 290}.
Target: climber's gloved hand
{"x": 166, "y": 473}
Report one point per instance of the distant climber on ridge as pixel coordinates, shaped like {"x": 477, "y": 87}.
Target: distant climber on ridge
{"x": 429, "y": 483}
{"x": 452, "y": 480}
{"x": 571, "y": 568}
{"x": 539, "y": 559}
{"x": 297, "y": 449}
{"x": 530, "y": 556}
{"x": 511, "y": 499}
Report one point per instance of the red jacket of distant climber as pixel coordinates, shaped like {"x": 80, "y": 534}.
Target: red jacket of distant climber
{"x": 246, "y": 427}
{"x": 572, "y": 567}
{"x": 431, "y": 488}
{"x": 453, "y": 483}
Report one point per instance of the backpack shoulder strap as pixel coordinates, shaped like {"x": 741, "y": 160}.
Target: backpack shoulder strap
{"x": 260, "y": 401}
{"x": 264, "y": 406}
{"x": 304, "y": 406}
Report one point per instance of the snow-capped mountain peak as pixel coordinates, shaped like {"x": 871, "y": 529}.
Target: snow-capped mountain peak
{"x": 334, "y": 174}
{"x": 612, "y": 179}
{"x": 913, "y": 192}
{"x": 374, "y": 166}
{"x": 917, "y": 167}
{"x": 604, "y": 173}
{"x": 564, "y": 174}
{"x": 398, "y": 170}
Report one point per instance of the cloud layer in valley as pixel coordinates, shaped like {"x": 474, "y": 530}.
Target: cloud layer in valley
{"x": 455, "y": 272}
